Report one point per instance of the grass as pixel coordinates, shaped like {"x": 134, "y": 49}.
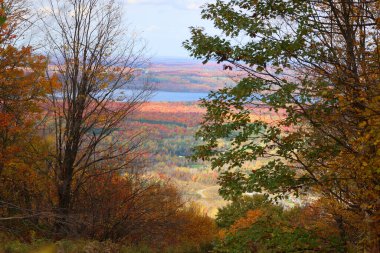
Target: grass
{"x": 82, "y": 246}
{"x": 68, "y": 246}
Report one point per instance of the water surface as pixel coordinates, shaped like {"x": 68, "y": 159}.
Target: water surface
{"x": 168, "y": 96}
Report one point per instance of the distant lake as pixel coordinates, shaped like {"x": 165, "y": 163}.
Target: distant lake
{"x": 168, "y": 96}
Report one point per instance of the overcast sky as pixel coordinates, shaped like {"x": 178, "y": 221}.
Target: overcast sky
{"x": 165, "y": 23}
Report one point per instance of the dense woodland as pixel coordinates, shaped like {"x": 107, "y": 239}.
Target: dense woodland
{"x": 293, "y": 146}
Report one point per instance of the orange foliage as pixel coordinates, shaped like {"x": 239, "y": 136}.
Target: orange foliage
{"x": 22, "y": 87}
{"x": 245, "y": 222}
{"x": 136, "y": 209}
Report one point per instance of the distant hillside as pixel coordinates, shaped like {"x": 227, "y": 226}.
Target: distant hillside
{"x": 170, "y": 74}
{"x": 182, "y": 75}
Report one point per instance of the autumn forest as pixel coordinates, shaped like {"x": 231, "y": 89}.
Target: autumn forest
{"x": 275, "y": 149}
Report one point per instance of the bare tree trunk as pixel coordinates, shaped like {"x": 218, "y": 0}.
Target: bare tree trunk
{"x": 93, "y": 58}
{"x": 342, "y": 231}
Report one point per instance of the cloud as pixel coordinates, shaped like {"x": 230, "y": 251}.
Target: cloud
{"x": 178, "y": 4}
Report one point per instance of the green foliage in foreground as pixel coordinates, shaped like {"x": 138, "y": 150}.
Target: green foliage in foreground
{"x": 315, "y": 65}
{"x": 253, "y": 224}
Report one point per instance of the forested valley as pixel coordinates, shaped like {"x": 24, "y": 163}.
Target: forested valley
{"x": 282, "y": 155}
